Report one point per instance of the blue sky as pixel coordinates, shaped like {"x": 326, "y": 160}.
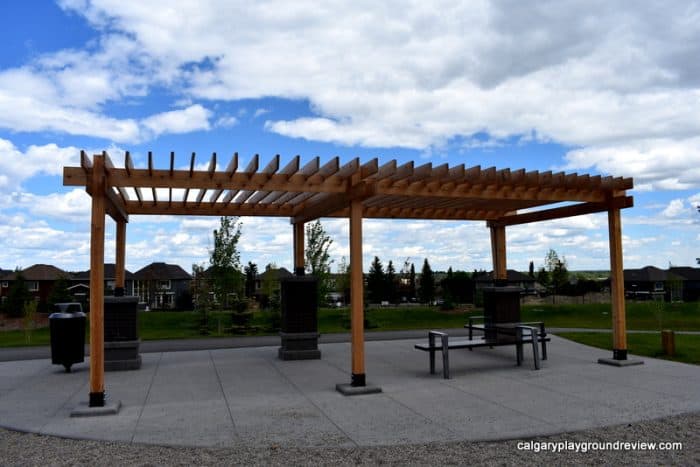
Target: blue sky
{"x": 585, "y": 87}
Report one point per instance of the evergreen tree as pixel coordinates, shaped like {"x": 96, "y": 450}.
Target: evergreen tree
{"x": 251, "y": 272}
{"x": 376, "y": 281}
{"x": 17, "y": 297}
{"x": 427, "y": 283}
{"x": 391, "y": 282}
{"x": 318, "y": 262}
{"x": 412, "y": 282}
{"x": 532, "y": 269}
{"x": 59, "y": 292}
{"x": 560, "y": 276}
{"x": 543, "y": 277}
{"x": 447, "y": 284}
{"x": 225, "y": 260}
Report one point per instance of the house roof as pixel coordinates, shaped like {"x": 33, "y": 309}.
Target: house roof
{"x": 513, "y": 276}
{"x": 4, "y": 272}
{"x": 686, "y": 272}
{"x": 277, "y": 274}
{"x": 110, "y": 273}
{"x": 162, "y": 271}
{"x": 648, "y": 274}
{"x": 39, "y": 272}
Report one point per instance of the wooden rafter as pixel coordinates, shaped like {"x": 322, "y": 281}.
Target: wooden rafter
{"x": 306, "y": 192}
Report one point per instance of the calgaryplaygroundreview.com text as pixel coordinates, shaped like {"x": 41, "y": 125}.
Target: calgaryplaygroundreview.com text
{"x": 588, "y": 446}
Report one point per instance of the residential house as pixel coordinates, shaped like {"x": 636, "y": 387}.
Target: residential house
{"x": 652, "y": 283}
{"x": 268, "y": 282}
{"x": 39, "y": 279}
{"x": 162, "y": 286}
{"x": 80, "y": 283}
{"x": 691, "y": 282}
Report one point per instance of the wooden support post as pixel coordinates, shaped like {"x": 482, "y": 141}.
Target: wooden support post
{"x": 299, "y": 248}
{"x": 617, "y": 286}
{"x": 97, "y": 253}
{"x": 119, "y": 278}
{"x": 357, "y": 320}
{"x": 498, "y": 253}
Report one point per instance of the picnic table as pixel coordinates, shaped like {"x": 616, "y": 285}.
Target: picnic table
{"x": 494, "y": 335}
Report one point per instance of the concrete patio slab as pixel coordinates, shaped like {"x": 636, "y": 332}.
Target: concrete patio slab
{"x": 248, "y": 397}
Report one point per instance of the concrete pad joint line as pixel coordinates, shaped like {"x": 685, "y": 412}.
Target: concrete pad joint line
{"x": 223, "y": 393}
{"x": 428, "y": 420}
{"x": 58, "y": 410}
{"x": 500, "y": 404}
{"x": 148, "y": 393}
{"x": 314, "y": 404}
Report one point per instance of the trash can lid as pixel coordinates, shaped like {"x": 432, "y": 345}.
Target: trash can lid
{"x": 61, "y": 315}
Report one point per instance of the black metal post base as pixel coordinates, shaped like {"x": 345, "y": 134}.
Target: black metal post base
{"x": 97, "y": 399}
{"x": 357, "y": 386}
{"x": 619, "y": 359}
{"x": 357, "y": 380}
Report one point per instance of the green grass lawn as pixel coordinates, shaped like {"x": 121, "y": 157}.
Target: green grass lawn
{"x": 649, "y": 345}
{"x": 640, "y": 316}
{"x": 180, "y": 325}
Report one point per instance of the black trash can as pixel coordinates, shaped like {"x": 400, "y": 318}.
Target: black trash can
{"x": 67, "y": 331}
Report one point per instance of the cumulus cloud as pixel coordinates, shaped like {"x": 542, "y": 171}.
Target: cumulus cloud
{"x": 620, "y": 83}
{"x": 675, "y": 208}
{"x": 192, "y": 118}
{"x": 17, "y": 166}
{"x": 665, "y": 164}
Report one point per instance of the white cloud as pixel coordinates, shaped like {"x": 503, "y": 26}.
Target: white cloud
{"x": 17, "y": 166}
{"x": 260, "y": 112}
{"x": 407, "y": 76}
{"x": 665, "y": 164}
{"x": 226, "y": 121}
{"x": 675, "y": 208}
{"x": 193, "y": 118}
{"x": 72, "y": 206}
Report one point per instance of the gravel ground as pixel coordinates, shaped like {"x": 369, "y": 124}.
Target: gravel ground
{"x": 31, "y": 449}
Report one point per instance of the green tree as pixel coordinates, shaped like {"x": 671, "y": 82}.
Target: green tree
{"x": 560, "y": 275}
{"x": 376, "y": 281}
{"x": 343, "y": 281}
{"x": 225, "y": 260}
{"x": 412, "y": 281}
{"x": 551, "y": 260}
{"x": 556, "y": 269}
{"x": 531, "y": 271}
{"x": 17, "y": 297}
{"x": 201, "y": 296}
{"x": 427, "y": 283}
{"x": 447, "y": 284}
{"x": 271, "y": 284}
{"x": 59, "y": 292}
{"x": 251, "y": 272}
{"x": 543, "y": 277}
{"x": 390, "y": 282}
{"x": 318, "y": 262}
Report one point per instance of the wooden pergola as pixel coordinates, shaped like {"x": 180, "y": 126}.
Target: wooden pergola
{"x": 356, "y": 191}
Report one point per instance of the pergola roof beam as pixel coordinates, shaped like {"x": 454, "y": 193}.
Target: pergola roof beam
{"x": 564, "y": 211}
